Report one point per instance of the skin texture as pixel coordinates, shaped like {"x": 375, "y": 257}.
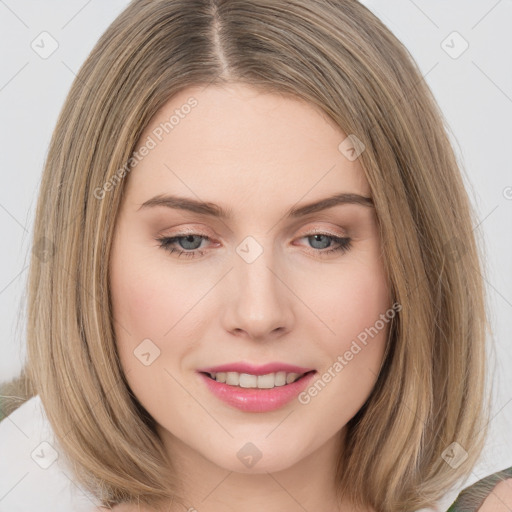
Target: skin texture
{"x": 258, "y": 154}
{"x": 500, "y": 500}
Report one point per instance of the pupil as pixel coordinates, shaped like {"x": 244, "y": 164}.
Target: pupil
{"x": 189, "y": 239}
{"x": 318, "y": 238}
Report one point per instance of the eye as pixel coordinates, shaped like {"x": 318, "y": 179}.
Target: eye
{"x": 188, "y": 244}
{"x": 342, "y": 244}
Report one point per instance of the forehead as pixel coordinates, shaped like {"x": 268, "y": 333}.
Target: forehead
{"x": 235, "y": 142}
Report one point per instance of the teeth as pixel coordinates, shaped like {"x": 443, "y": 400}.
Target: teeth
{"x": 246, "y": 380}
{"x": 280, "y": 379}
{"x": 291, "y": 377}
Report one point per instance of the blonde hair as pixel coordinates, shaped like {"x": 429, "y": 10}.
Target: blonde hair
{"x": 333, "y": 54}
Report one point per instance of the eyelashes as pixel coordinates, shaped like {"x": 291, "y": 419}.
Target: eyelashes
{"x": 169, "y": 244}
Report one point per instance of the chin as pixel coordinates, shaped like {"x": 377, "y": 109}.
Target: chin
{"x": 253, "y": 458}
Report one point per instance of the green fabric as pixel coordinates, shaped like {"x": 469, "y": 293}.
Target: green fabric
{"x": 470, "y": 499}
{"x": 2, "y": 405}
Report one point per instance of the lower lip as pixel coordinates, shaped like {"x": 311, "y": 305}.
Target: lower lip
{"x": 257, "y": 400}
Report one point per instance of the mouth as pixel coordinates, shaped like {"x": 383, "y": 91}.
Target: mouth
{"x": 251, "y": 381}
{"x": 252, "y": 393}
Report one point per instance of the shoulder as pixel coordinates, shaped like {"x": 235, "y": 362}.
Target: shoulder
{"x": 492, "y": 493}
{"x": 500, "y": 498}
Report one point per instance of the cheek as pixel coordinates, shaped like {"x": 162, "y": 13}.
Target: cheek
{"x": 353, "y": 346}
{"x": 144, "y": 308}
{"x": 356, "y": 301}
{"x": 147, "y": 295}
{"x": 137, "y": 303}
{"x": 140, "y": 300}
{"x": 151, "y": 300}
{"x": 351, "y": 311}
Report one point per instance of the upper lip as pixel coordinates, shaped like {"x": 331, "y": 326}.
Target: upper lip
{"x": 241, "y": 367}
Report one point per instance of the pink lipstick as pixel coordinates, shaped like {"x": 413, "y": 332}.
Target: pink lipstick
{"x": 244, "y": 386}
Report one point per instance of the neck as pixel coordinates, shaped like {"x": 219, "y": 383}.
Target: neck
{"x": 309, "y": 484}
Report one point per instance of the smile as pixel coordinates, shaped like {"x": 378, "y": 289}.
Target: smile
{"x": 256, "y": 393}
{"x": 247, "y": 380}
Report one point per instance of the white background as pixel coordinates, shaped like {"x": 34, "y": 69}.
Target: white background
{"x": 473, "y": 90}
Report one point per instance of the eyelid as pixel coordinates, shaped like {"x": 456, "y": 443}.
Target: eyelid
{"x": 201, "y": 232}
{"x": 325, "y": 231}
{"x": 177, "y": 231}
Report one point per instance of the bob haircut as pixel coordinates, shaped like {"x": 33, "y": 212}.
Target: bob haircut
{"x": 340, "y": 57}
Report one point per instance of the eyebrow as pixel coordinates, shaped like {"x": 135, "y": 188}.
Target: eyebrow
{"x": 214, "y": 210}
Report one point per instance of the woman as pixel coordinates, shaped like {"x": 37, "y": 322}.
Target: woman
{"x": 256, "y": 278}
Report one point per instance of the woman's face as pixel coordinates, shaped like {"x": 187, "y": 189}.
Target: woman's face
{"x": 258, "y": 286}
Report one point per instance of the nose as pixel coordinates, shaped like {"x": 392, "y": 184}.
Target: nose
{"x": 260, "y": 303}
